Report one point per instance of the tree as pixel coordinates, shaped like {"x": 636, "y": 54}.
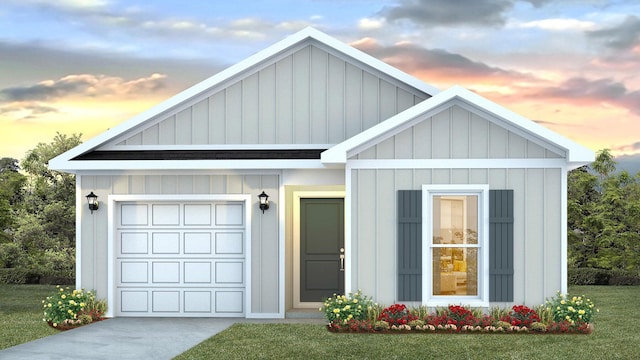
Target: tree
{"x": 43, "y": 235}
{"x": 11, "y": 184}
{"x": 604, "y": 216}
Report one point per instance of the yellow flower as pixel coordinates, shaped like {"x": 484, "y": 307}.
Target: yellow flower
{"x": 55, "y": 324}
{"x": 347, "y": 308}
{"x": 581, "y": 312}
{"x": 570, "y": 308}
{"x": 59, "y": 302}
{"x": 562, "y": 302}
{"x": 63, "y": 296}
{"x": 70, "y": 311}
{"x": 350, "y": 316}
{"x": 335, "y": 311}
{"x": 568, "y": 317}
{"x": 49, "y": 305}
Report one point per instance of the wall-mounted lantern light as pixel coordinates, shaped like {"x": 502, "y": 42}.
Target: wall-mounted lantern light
{"x": 264, "y": 201}
{"x": 92, "y": 199}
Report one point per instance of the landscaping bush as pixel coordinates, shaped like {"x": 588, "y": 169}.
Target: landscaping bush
{"x": 66, "y": 308}
{"x": 13, "y": 276}
{"x": 588, "y": 276}
{"x": 342, "y": 308}
{"x": 593, "y": 276}
{"x": 623, "y": 277}
{"x": 576, "y": 309}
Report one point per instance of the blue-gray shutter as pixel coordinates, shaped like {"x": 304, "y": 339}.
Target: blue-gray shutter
{"x": 501, "y": 245}
{"x": 409, "y": 245}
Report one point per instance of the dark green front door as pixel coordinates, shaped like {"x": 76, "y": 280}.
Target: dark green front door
{"x": 321, "y": 248}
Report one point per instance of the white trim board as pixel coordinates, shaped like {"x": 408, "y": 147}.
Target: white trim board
{"x": 111, "y": 225}
{"x": 297, "y": 195}
{"x": 457, "y": 164}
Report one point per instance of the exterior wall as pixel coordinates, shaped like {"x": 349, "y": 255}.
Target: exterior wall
{"x": 264, "y": 227}
{"x": 310, "y": 96}
{"x": 456, "y": 133}
{"x": 537, "y": 227}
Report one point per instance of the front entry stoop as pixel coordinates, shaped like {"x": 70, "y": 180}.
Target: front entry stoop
{"x": 304, "y": 314}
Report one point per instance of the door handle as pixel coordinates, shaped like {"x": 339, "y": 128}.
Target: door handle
{"x": 341, "y": 259}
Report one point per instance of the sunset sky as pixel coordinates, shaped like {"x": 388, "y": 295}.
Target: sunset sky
{"x": 83, "y": 66}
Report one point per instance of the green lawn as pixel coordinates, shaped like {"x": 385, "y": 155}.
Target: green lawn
{"x": 21, "y": 313}
{"x": 615, "y": 337}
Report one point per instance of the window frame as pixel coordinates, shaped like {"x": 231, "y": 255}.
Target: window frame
{"x": 428, "y": 192}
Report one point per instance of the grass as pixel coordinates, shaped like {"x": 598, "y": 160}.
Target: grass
{"x": 21, "y": 314}
{"x": 615, "y": 337}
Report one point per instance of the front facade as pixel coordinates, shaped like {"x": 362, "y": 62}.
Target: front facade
{"x": 376, "y": 181}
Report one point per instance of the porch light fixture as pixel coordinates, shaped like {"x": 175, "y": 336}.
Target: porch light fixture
{"x": 92, "y": 199}
{"x": 264, "y": 201}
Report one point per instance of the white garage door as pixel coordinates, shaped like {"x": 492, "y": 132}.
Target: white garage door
{"x": 180, "y": 259}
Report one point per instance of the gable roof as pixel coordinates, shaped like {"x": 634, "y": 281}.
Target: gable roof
{"x": 65, "y": 161}
{"x": 574, "y": 153}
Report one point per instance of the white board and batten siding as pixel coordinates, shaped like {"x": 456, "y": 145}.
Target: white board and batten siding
{"x": 310, "y": 96}
{"x": 180, "y": 258}
{"x": 462, "y": 136}
{"x": 99, "y": 245}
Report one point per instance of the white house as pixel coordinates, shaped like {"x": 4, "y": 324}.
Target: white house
{"x": 376, "y": 181}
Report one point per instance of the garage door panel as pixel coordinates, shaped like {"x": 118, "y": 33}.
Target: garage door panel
{"x": 165, "y": 301}
{"x": 229, "y": 214}
{"x": 166, "y": 214}
{"x": 197, "y": 301}
{"x": 198, "y": 215}
{"x": 134, "y": 215}
{"x": 180, "y": 259}
{"x": 229, "y": 272}
{"x": 134, "y": 243}
{"x": 134, "y": 301}
{"x": 197, "y": 272}
{"x": 229, "y": 302}
{"x": 229, "y": 243}
{"x": 197, "y": 243}
{"x": 165, "y": 272}
{"x": 166, "y": 243}
{"x": 134, "y": 272}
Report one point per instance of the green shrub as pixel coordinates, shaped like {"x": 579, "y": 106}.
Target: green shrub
{"x": 416, "y": 323}
{"x": 13, "y": 276}
{"x": 588, "y": 276}
{"x": 64, "y": 307}
{"x": 538, "y": 326}
{"x": 380, "y": 325}
{"x": 545, "y": 313}
{"x": 623, "y": 277}
{"x": 342, "y": 308}
{"x": 571, "y": 309}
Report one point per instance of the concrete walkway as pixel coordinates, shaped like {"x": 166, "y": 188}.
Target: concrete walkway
{"x": 129, "y": 338}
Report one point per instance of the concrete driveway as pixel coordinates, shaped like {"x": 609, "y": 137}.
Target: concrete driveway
{"x": 129, "y": 338}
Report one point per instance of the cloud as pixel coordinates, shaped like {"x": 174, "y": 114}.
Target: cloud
{"x": 26, "y": 110}
{"x": 439, "y": 64}
{"x": 430, "y": 13}
{"x": 557, "y": 24}
{"x": 604, "y": 91}
{"x": 82, "y": 85}
{"x": 105, "y": 17}
{"x": 623, "y": 36}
